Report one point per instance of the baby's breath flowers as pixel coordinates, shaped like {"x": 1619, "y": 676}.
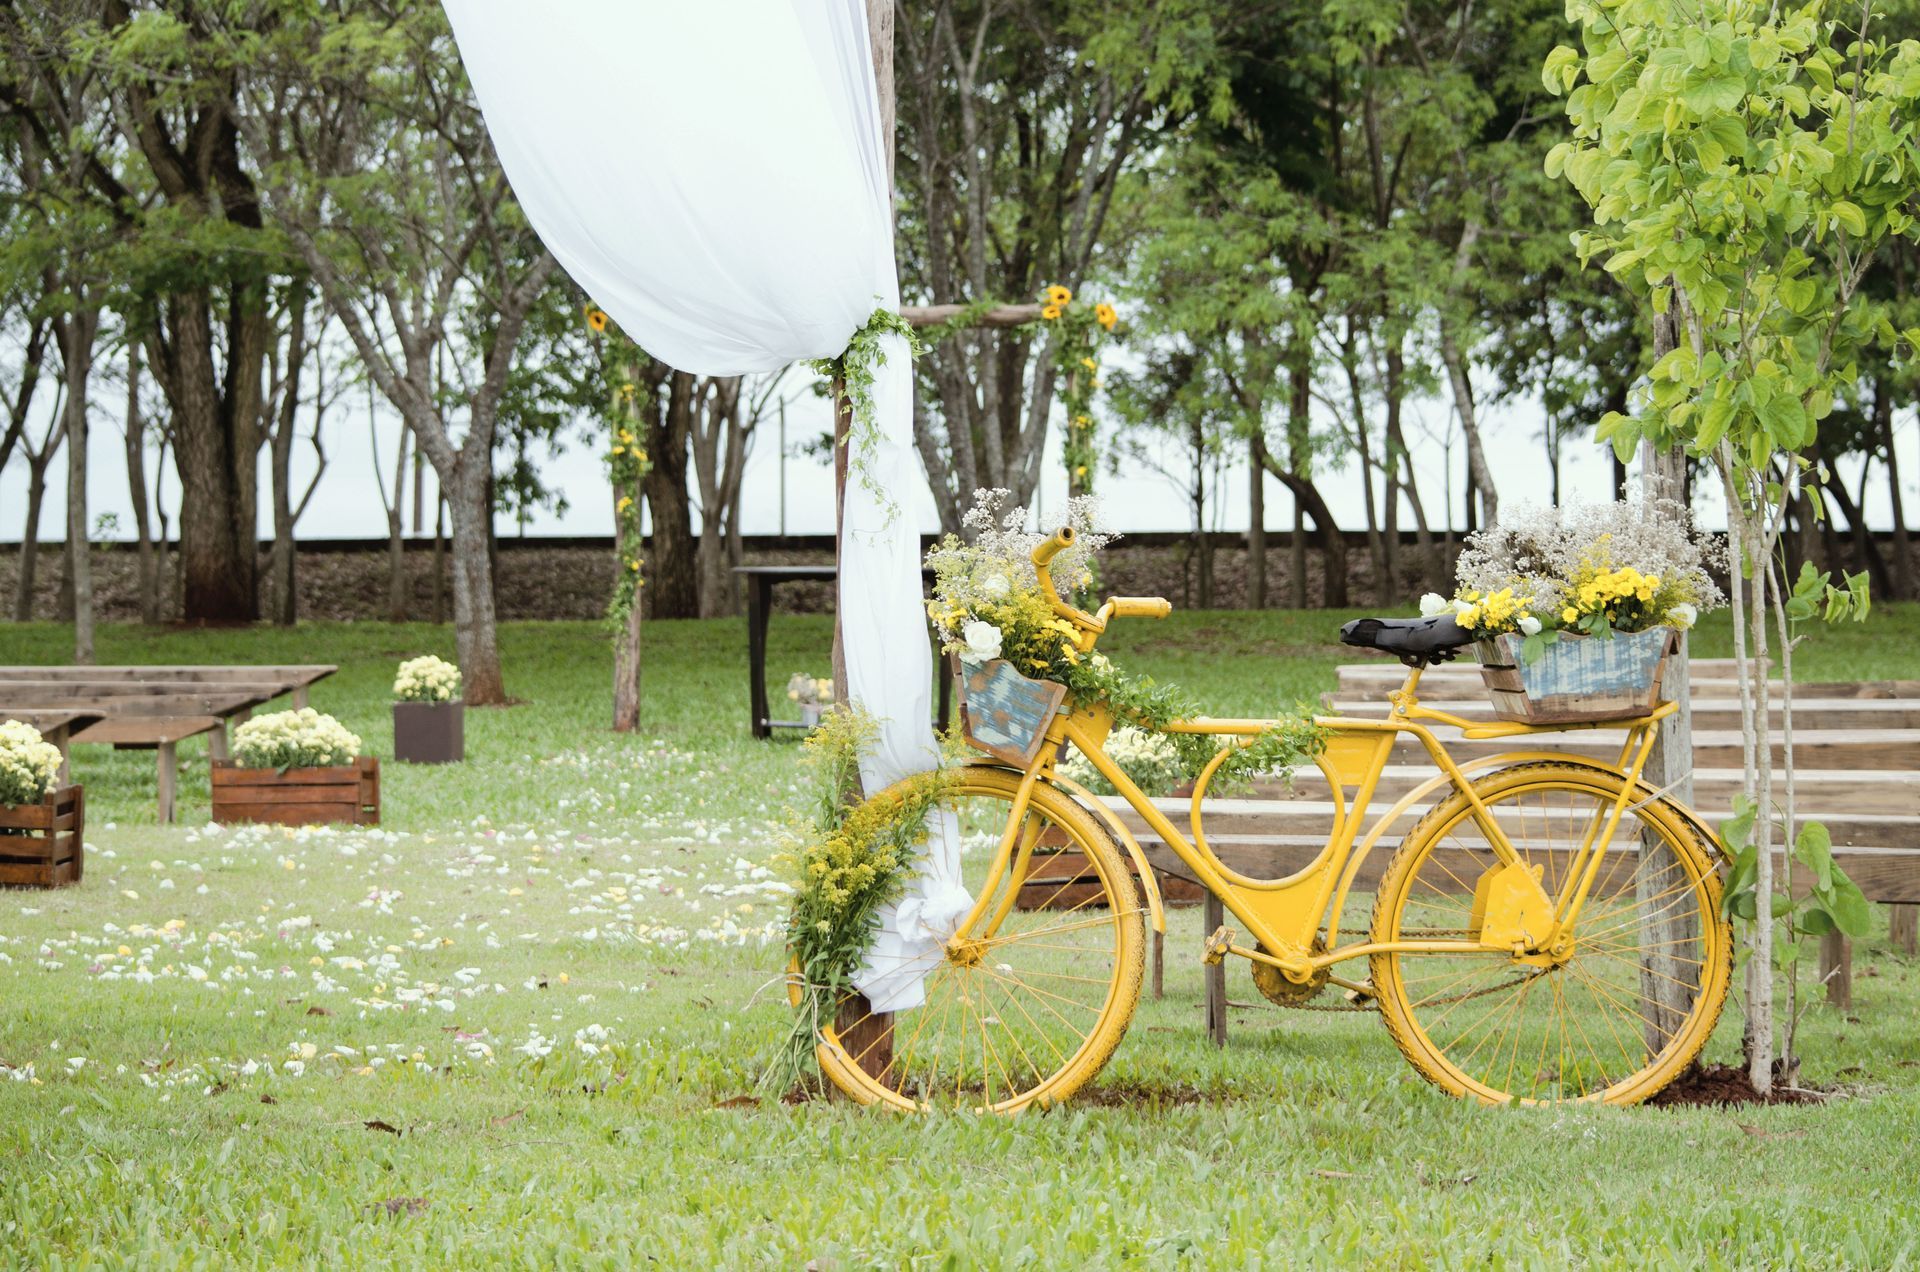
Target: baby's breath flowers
{"x": 294, "y": 739}
{"x": 427, "y": 679}
{"x": 987, "y": 603}
{"x": 29, "y": 765}
{"x": 1590, "y": 571}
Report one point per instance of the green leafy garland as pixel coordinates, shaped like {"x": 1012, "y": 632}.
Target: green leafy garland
{"x": 1040, "y": 645}
{"x": 855, "y": 369}
{"x": 627, "y": 466}
{"x": 1076, "y": 340}
{"x": 844, "y": 862}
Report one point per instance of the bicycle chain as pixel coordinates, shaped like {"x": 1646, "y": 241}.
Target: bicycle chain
{"x": 1456, "y": 998}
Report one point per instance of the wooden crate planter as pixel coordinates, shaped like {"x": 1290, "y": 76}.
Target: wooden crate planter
{"x": 40, "y": 844}
{"x": 344, "y": 793}
{"x": 1577, "y": 678}
{"x": 430, "y": 732}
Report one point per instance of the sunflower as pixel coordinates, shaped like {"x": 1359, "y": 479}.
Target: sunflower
{"x": 1050, "y": 312}
{"x": 597, "y": 319}
{"x": 1104, "y": 314}
{"x": 1058, "y": 295}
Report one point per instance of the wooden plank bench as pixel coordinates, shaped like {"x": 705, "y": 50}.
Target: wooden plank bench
{"x": 140, "y": 707}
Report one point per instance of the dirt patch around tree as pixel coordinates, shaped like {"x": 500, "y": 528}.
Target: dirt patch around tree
{"x": 1715, "y": 1085}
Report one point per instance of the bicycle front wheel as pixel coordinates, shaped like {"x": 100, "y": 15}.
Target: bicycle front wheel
{"x": 1027, "y": 1001}
{"x": 1638, "y": 986}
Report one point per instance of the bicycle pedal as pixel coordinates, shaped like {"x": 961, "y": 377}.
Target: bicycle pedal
{"x": 1218, "y": 946}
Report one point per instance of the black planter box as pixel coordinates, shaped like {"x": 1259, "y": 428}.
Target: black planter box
{"x": 429, "y": 732}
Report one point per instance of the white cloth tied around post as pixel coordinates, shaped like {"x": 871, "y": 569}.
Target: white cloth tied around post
{"x": 736, "y": 231}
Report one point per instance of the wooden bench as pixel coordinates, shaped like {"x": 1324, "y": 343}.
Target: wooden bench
{"x": 156, "y": 708}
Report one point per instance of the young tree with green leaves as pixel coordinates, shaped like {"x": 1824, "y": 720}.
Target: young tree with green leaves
{"x": 1744, "y": 164}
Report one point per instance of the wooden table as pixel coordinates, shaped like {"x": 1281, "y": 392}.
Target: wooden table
{"x": 144, "y": 707}
{"x": 761, "y": 580}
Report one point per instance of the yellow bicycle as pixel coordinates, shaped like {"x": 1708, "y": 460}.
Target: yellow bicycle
{"x": 1548, "y": 930}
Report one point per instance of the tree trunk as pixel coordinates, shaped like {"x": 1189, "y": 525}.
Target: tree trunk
{"x": 626, "y": 645}
{"x": 216, "y": 443}
{"x": 440, "y": 559}
{"x": 37, "y": 465}
{"x": 75, "y": 332}
{"x": 1905, "y": 587}
{"x": 281, "y": 584}
{"x": 476, "y": 636}
{"x": 136, "y": 439}
{"x": 673, "y": 583}
{"x": 1460, "y": 378}
{"x": 1256, "y": 525}
{"x": 397, "y": 538}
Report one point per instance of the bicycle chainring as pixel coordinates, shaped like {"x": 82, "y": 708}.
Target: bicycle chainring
{"x": 1281, "y": 992}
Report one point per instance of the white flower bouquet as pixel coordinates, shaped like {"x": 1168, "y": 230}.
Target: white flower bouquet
{"x": 294, "y": 739}
{"x": 427, "y": 679}
{"x": 29, "y": 765}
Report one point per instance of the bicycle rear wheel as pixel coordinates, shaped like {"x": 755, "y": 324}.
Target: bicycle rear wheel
{"x": 1026, "y": 1003}
{"x": 1628, "y": 1005}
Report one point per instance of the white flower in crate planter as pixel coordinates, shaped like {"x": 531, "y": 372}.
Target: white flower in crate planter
{"x": 1529, "y": 625}
{"x": 1433, "y": 604}
{"x": 1683, "y": 615}
{"x": 995, "y": 587}
{"x": 427, "y": 679}
{"x": 294, "y": 739}
{"x": 29, "y": 766}
{"x": 983, "y": 640}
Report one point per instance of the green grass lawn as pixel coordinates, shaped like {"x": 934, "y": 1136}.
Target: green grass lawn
{"x": 522, "y": 1023}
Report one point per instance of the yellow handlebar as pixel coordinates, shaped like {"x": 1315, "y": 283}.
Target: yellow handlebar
{"x": 1138, "y": 606}
{"x": 1116, "y": 607}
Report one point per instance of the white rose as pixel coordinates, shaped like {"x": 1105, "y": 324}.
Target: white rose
{"x": 1530, "y": 625}
{"x": 1460, "y": 607}
{"x": 994, "y": 586}
{"x": 1683, "y": 615}
{"x": 983, "y": 640}
{"x": 1433, "y": 603}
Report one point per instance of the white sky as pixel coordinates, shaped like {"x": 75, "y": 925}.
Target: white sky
{"x": 348, "y": 504}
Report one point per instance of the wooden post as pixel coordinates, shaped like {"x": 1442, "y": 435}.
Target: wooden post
{"x": 1159, "y": 964}
{"x": 1903, "y": 928}
{"x": 1836, "y": 969}
{"x": 168, "y": 777}
{"x": 1664, "y": 976}
{"x": 1216, "y": 977}
{"x": 870, "y": 1028}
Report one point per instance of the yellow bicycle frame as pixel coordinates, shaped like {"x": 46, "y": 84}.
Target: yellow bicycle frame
{"x": 1285, "y": 915}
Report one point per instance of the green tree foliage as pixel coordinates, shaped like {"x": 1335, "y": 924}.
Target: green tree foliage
{"x": 1744, "y": 166}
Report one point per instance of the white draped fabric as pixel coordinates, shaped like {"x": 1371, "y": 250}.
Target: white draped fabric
{"x": 713, "y": 174}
